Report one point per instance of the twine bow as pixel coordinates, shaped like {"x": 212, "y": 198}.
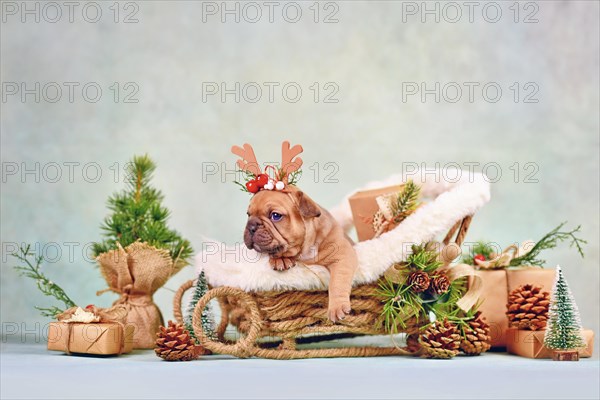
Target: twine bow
{"x": 92, "y": 314}
{"x": 128, "y": 296}
{"x": 468, "y": 300}
{"x": 502, "y": 260}
{"x": 383, "y": 220}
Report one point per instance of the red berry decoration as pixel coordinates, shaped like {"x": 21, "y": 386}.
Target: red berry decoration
{"x": 252, "y": 186}
{"x": 479, "y": 257}
{"x": 262, "y": 180}
{"x": 89, "y": 306}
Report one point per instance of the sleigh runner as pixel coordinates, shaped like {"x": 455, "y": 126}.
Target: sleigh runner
{"x": 261, "y": 303}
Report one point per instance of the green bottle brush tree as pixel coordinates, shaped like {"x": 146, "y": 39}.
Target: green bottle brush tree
{"x": 563, "y": 330}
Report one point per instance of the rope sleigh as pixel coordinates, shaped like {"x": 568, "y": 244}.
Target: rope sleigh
{"x": 292, "y": 305}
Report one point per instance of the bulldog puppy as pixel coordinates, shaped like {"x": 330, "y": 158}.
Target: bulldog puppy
{"x": 290, "y": 227}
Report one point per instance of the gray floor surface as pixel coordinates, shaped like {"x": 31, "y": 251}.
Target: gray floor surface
{"x": 30, "y": 371}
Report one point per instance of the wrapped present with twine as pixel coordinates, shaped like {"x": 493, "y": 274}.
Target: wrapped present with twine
{"x": 530, "y": 344}
{"x": 380, "y": 210}
{"x": 100, "y": 331}
{"x": 499, "y": 279}
{"x": 135, "y": 273}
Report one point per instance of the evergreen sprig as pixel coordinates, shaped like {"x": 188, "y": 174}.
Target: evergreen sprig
{"x": 406, "y": 202}
{"x": 247, "y": 176}
{"x": 137, "y": 214}
{"x": 550, "y": 241}
{"x": 461, "y": 319}
{"x": 46, "y": 286}
{"x": 423, "y": 258}
{"x": 481, "y": 247}
{"x": 294, "y": 177}
{"x": 400, "y": 303}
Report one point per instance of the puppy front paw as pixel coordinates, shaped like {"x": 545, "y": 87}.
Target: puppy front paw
{"x": 338, "y": 309}
{"x": 282, "y": 263}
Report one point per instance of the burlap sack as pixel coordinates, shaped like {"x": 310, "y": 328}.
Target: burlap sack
{"x": 136, "y": 272}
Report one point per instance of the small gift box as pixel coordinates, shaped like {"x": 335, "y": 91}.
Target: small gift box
{"x": 530, "y": 344}
{"x": 364, "y": 206}
{"x": 497, "y": 284}
{"x": 91, "y": 331}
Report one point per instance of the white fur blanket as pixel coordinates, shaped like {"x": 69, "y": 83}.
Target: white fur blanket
{"x": 453, "y": 200}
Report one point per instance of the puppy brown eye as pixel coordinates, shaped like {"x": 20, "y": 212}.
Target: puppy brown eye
{"x": 275, "y": 216}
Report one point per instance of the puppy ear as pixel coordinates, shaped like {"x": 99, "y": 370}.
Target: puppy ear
{"x": 308, "y": 208}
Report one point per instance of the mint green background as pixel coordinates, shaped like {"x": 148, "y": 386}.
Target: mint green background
{"x": 368, "y": 134}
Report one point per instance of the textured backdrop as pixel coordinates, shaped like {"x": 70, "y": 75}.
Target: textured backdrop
{"x": 369, "y": 89}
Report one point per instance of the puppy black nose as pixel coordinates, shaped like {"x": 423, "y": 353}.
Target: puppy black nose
{"x": 253, "y": 225}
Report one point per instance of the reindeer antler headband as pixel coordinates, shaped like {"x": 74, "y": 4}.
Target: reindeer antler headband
{"x": 286, "y": 174}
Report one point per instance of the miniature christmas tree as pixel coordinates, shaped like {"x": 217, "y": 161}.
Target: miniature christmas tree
{"x": 563, "y": 332}
{"x": 137, "y": 214}
{"x": 136, "y": 234}
{"x": 208, "y": 321}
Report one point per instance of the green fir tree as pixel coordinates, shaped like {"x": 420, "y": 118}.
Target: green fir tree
{"x": 208, "y": 320}
{"x": 137, "y": 214}
{"x": 563, "y": 331}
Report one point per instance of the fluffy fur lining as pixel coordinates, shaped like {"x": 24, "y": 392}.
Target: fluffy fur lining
{"x": 456, "y": 194}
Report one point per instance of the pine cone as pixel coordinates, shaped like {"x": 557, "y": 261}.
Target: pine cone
{"x": 528, "y": 308}
{"x": 440, "y": 340}
{"x": 419, "y": 281}
{"x": 477, "y": 338}
{"x": 440, "y": 284}
{"x": 174, "y": 343}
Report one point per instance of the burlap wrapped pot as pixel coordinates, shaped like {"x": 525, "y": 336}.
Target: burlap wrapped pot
{"x": 136, "y": 272}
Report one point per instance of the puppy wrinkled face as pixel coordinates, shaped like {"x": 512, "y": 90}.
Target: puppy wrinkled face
{"x": 274, "y": 225}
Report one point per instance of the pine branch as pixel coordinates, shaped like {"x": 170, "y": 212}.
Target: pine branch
{"x": 423, "y": 259}
{"x": 550, "y": 241}
{"x": 294, "y": 177}
{"x": 45, "y": 285}
{"x": 140, "y": 171}
{"x": 400, "y": 303}
{"x": 406, "y": 202}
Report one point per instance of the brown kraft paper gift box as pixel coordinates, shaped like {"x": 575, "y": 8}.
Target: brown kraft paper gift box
{"x": 94, "y": 338}
{"x": 364, "y": 206}
{"x": 531, "y": 343}
{"x": 497, "y": 284}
